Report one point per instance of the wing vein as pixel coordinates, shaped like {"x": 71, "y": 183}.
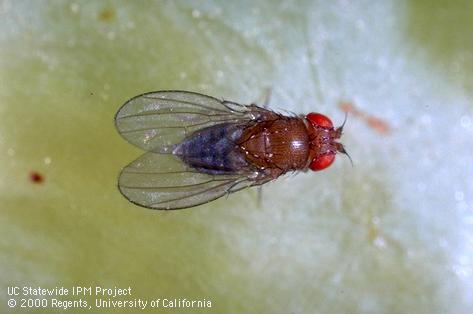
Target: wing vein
{"x": 157, "y": 188}
{"x": 190, "y": 195}
{"x": 190, "y": 103}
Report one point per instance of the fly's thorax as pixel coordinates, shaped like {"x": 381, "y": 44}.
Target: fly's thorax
{"x": 281, "y": 143}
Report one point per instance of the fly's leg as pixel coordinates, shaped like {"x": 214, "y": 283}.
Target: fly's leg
{"x": 259, "y": 196}
{"x": 265, "y": 98}
{"x": 263, "y": 177}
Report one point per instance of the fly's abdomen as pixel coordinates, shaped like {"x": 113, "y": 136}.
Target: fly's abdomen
{"x": 213, "y": 150}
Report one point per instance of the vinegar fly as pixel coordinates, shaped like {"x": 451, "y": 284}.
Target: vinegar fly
{"x": 200, "y": 148}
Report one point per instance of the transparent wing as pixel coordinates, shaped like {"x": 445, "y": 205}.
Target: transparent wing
{"x": 155, "y": 121}
{"x": 161, "y": 181}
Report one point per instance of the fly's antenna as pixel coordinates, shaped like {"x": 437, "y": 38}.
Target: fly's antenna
{"x": 344, "y": 121}
{"x": 341, "y": 149}
{"x": 349, "y": 157}
{"x": 339, "y": 130}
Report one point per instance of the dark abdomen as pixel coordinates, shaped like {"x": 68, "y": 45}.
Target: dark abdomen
{"x": 213, "y": 150}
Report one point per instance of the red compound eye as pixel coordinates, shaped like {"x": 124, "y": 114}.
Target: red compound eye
{"x": 322, "y": 162}
{"x": 319, "y": 120}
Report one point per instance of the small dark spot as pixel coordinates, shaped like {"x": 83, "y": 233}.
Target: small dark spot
{"x": 36, "y": 177}
{"x": 106, "y": 15}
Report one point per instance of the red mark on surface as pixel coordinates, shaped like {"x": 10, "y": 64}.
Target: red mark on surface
{"x": 36, "y": 177}
{"x": 373, "y": 122}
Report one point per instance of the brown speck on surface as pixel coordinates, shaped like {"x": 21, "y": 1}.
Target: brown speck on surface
{"x": 373, "y": 122}
{"x": 36, "y": 177}
{"x": 106, "y": 15}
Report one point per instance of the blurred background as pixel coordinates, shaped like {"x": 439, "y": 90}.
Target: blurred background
{"x": 392, "y": 234}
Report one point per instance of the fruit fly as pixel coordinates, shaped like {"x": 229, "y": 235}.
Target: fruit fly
{"x": 200, "y": 148}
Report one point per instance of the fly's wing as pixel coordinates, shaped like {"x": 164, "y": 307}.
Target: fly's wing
{"x": 161, "y": 181}
{"x": 158, "y": 120}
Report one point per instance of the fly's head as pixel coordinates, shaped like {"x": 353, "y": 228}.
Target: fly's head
{"x": 324, "y": 143}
